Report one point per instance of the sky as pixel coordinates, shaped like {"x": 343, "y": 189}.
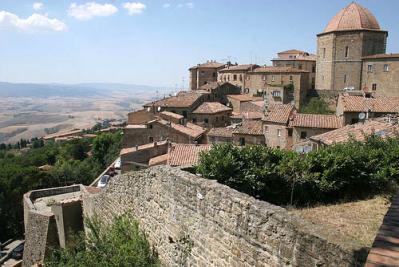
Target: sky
{"x": 154, "y": 42}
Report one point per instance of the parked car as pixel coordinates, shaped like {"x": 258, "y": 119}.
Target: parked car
{"x": 118, "y": 164}
{"x": 18, "y": 252}
{"x": 103, "y": 181}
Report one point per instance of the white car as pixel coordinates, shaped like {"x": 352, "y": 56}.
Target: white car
{"x": 103, "y": 181}
{"x": 118, "y": 164}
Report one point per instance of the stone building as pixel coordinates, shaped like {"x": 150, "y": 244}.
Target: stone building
{"x": 183, "y": 103}
{"x": 236, "y": 101}
{"x": 282, "y": 85}
{"x": 212, "y": 114}
{"x": 236, "y": 74}
{"x": 380, "y": 75}
{"x": 220, "y": 135}
{"x": 299, "y": 60}
{"x": 352, "y": 34}
{"x": 140, "y": 116}
{"x": 352, "y": 109}
{"x": 218, "y": 91}
{"x": 204, "y": 73}
{"x": 249, "y": 133}
{"x": 307, "y": 125}
{"x": 160, "y": 130}
{"x": 275, "y": 125}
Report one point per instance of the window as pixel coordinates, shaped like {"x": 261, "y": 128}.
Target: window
{"x": 300, "y": 66}
{"x": 374, "y": 87}
{"x": 242, "y": 141}
{"x": 240, "y": 77}
{"x": 272, "y": 78}
{"x": 345, "y": 78}
{"x": 185, "y": 114}
{"x": 324, "y": 53}
{"x": 278, "y": 132}
{"x": 386, "y": 67}
{"x": 235, "y": 77}
{"x": 290, "y": 132}
{"x": 346, "y": 52}
{"x": 290, "y": 77}
{"x": 217, "y": 119}
{"x": 263, "y": 77}
{"x": 206, "y": 120}
{"x": 314, "y": 69}
{"x": 303, "y": 135}
{"x": 150, "y": 139}
{"x": 322, "y": 77}
{"x": 369, "y": 68}
{"x": 228, "y": 77}
{"x": 214, "y": 74}
{"x": 194, "y": 120}
{"x": 266, "y": 129}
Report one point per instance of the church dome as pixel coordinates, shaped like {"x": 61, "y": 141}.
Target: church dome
{"x": 353, "y": 17}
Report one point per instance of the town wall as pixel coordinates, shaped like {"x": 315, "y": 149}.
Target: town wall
{"x": 191, "y": 221}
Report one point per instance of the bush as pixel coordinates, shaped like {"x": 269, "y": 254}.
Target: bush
{"x": 337, "y": 173}
{"x": 316, "y": 105}
{"x": 120, "y": 244}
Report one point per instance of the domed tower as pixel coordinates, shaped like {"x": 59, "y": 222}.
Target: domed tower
{"x": 350, "y": 35}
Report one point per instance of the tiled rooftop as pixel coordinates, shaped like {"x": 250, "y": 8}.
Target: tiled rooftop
{"x": 250, "y": 127}
{"x": 209, "y": 64}
{"x": 159, "y": 160}
{"x": 353, "y": 17}
{"x": 211, "y": 108}
{"x": 185, "y": 154}
{"x": 189, "y": 129}
{"x": 172, "y": 115}
{"x": 316, "y": 121}
{"x": 183, "y": 100}
{"x": 272, "y": 69}
{"x": 249, "y": 115}
{"x": 243, "y": 67}
{"x": 362, "y": 104}
{"x": 356, "y": 132}
{"x": 221, "y": 132}
{"x": 244, "y": 98}
{"x": 279, "y": 113}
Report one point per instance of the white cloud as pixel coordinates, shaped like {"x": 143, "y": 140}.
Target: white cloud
{"x": 166, "y": 5}
{"x": 38, "y": 6}
{"x": 134, "y": 7}
{"x": 187, "y": 5}
{"x": 34, "y": 23}
{"x": 90, "y": 10}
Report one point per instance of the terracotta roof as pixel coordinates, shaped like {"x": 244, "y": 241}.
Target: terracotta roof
{"x": 316, "y": 121}
{"x": 159, "y": 160}
{"x": 243, "y": 67}
{"x": 279, "y": 113}
{"x": 183, "y": 100}
{"x": 381, "y": 56}
{"x": 189, "y": 129}
{"x": 250, "y": 127}
{"x": 357, "y": 132}
{"x": 247, "y": 115}
{"x": 293, "y": 51}
{"x": 145, "y": 146}
{"x": 211, "y": 108}
{"x": 272, "y": 69}
{"x": 221, "y": 132}
{"x": 245, "y": 98}
{"x": 172, "y": 115}
{"x": 362, "y": 104}
{"x": 252, "y": 106}
{"x": 185, "y": 154}
{"x": 213, "y": 85}
{"x": 353, "y": 17}
{"x": 63, "y": 134}
{"x": 209, "y": 64}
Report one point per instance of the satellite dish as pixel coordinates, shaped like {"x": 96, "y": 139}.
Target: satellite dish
{"x": 148, "y": 109}
{"x": 159, "y": 109}
{"x": 362, "y": 116}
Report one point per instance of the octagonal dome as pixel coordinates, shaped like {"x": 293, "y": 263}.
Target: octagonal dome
{"x": 353, "y": 17}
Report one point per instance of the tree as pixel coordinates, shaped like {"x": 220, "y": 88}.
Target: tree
{"x": 106, "y": 148}
{"x": 3, "y": 146}
{"x": 120, "y": 244}
{"x": 316, "y": 105}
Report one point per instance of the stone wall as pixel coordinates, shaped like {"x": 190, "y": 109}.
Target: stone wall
{"x": 192, "y": 221}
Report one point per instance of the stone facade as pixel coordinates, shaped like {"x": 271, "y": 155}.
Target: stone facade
{"x": 241, "y": 139}
{"x": 339, "y": 57}
{"x": 219, "y": 119}
{"x": 236, "y": 75}
{"x": 301, "y": 133}
{"x": 381, "y": 75}
{"x": 204, "y": 73}
{"x": 192, "y": 221}
{"x": 277, "y": 135}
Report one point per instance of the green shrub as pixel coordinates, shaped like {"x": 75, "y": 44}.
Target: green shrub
{"x": 120, "y": 244}
{"x": 316, "y": 105}
{"x": 336, "y": 173}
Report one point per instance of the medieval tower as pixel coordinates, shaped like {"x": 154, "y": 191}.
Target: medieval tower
{"x": 350, "y": 35}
